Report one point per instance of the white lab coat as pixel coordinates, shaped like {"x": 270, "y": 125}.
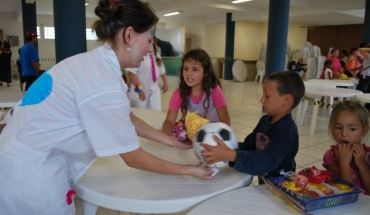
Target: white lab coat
{"x": 76, "y": 111}
{"x": 151, "y": 89}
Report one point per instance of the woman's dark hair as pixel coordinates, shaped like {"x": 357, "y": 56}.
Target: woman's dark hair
{"x": 6, "y": 45}
{"x": 117, "y": 14}
{"x": 353, "y": 49}
{"x": 333, "y": 50}
{"x": 327, "y": 63}
{"x": 210, "y": 79}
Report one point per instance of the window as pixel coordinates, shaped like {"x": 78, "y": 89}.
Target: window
{"x": 90, "y": 34}
{"x": 49, "y": 32}
{"x": 38, "y": 32}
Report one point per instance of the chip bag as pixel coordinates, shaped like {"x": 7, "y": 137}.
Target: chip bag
{"x": 192, "y": 123}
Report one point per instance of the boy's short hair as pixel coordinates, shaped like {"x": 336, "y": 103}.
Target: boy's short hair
{"x": 289, "y": 82}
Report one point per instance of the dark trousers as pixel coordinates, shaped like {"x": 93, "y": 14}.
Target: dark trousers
{"x": 29, "y": 81}
{"x": 363, "y": 84}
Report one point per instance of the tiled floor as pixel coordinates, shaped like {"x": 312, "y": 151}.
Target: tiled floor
{"x": 245, "y": 110}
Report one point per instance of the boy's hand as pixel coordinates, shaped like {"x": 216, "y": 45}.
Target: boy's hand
{"x": 221, "y": 152}
{"x": 142, "y": 96}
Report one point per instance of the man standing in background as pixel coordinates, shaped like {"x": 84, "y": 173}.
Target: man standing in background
{"x": 30, "y": 59}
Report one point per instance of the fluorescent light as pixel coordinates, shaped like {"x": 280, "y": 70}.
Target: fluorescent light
{"x": 86, "y": 4}
{"x": 171, "y": 14}
{"x": 239, "y": 1}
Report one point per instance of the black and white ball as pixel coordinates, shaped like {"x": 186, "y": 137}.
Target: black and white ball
{"x": 205, "y": 135}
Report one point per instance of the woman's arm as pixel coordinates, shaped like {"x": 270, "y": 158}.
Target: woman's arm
{"x": 169, "y": 122}
{"x": 135, "y": 81}
{"x": 141, "y": 159}
{"x": 223, "y": 115}
{"x": 364, "y": 52}
{"x": 165, "y": 83}
{"x": 148, "y": 132}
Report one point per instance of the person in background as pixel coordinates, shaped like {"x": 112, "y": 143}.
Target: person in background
{"x": 78, "y": 110}
{"x": 351, "y": 63}
{"x": 364, "y": 80}
{"x": 199, "y": 92}
{"x": 19, "y": 65}
{"x": 274, "y": 142}
{"x": 298, "y": 67}
{"x": 344, "y": 56}
{"x": 327, "y": 72}
{"x": 5, "y": 64}
{"x": 337, "y": 68}
{"x": 359, "y": 59}
{"x": 144, "y": 90}
{"x": 30, "y": 60}
{"x": 349, "y": 158}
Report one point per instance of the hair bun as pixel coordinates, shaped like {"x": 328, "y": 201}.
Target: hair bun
{"x": 105, "y": 10}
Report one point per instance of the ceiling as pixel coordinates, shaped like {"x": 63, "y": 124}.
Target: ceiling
{"x": 310, "y": 12}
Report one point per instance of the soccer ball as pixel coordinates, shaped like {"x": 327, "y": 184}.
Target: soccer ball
{"x": 205, "y": 135}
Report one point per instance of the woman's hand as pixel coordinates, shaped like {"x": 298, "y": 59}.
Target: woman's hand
{"x": 164, "y": 88}
{"x": 142, "y": 96}
{"x": 200, "y": 172}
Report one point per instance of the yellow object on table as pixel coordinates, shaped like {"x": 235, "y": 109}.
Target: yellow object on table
{"x": 192, "y": 123}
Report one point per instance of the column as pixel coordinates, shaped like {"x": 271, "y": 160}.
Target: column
{"x": 277, "y": 36}
{"x": 366, "y": 34}
{"x": 229, "y": 47}
{"x": 29, "y": 18}
{"x": 70, "y": 28}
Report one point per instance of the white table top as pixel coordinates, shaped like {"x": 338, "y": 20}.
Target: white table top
{"x": 8, "y": 104}
{"x": 260, "y": 200}
{"x": 334, "y": 92}
{"x": 363, "y": 98}
{"x": 318, "y": 84}
{"x": 110, "y": 183}
{"x": 337, "y": 82}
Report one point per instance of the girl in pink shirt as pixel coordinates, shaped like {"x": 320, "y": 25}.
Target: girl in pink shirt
{"x": 349, "y": 159}
{"x": 199, "y": 91}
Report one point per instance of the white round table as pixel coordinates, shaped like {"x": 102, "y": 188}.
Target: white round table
{"x": 260, "y": 200}
{"x": 110, "y": 183}
{"x": 315, "y": 93}
{"x": 339, "y": 83}
{"x": 365, "y": 98}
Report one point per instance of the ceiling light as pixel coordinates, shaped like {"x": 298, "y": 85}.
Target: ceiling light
{"x": 171, "y": 14}
{"x": 86, "y": 4}
{"x": 239, "y": 1}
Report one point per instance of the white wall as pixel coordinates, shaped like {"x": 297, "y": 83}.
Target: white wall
{"x": 211, "y": 37}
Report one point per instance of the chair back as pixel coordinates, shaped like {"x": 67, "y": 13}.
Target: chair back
{"x": 260, "y": 66}
{"x": 328, "y": 74}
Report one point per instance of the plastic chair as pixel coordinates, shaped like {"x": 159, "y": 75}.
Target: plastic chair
{"x": 328, "y": 74}
{"x": 260, "y": 71}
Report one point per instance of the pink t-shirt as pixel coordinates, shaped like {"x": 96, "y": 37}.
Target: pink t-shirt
{"x": 337, "y": 64}
{"x": 217, "y": 100}
{"x": 330, "y": 159}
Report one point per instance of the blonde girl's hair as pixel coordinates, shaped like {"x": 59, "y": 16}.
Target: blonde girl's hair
{"x": 354, "y": 107}
{"x": 209, "y": 82}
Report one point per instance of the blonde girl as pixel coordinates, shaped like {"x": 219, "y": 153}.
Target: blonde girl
{"x": 349, "y": 158}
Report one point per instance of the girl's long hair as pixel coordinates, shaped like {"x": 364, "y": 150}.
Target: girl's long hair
{"x": 210, "y": 80}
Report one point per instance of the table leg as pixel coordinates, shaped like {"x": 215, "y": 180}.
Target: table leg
{"x": 313, "y": 120}
{"x": 88, "y": 208}
{"x": 304, "y": 108}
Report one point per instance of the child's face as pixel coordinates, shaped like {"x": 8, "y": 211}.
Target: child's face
{"x": 331, "y": 65}
{"x": 348, "y": 129}
{"x": 193, "y": 73}
{"x": 271, "y": 101}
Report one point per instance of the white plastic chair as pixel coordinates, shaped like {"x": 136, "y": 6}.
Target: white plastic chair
{"x": 328, "y": 74}
{"x": 260, "y": 71}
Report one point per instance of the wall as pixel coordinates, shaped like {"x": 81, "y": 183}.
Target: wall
{"x": 211, "y": 37}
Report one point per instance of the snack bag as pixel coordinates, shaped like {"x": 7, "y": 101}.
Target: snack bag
{"x": 315, "y": 175}
{"x": 298, "y": 179}
{"x": 179, "y": 131}
{"x": 192, "y": 123}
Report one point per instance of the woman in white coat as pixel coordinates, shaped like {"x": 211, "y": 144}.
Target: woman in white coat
{"x": 144, "y": 89}
{"x": 79, "y": 110}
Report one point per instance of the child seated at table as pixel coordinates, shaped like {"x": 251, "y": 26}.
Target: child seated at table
{"x": 327, "y": 72}
{"x": 273, "y": 144}
{"x": 349, "y": 159}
